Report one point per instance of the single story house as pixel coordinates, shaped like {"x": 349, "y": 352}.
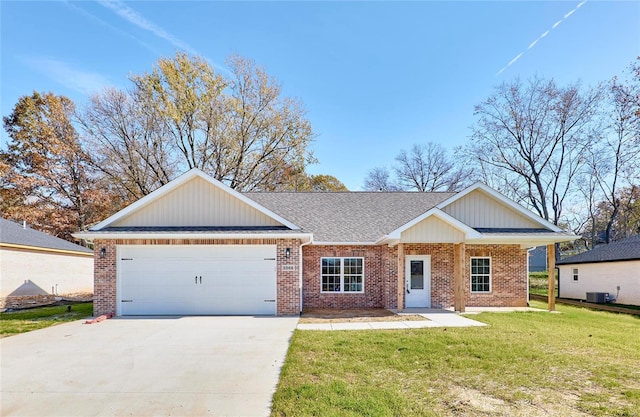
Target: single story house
{"x": 34, "y": 265}
{"x": 196, "y": 246}
{"x": 612, "y": 268}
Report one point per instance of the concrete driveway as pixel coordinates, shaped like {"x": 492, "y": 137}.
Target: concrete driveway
{"x": 174, "y": 366}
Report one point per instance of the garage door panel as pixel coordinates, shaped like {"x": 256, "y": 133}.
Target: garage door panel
{"x": 204, "y": 279}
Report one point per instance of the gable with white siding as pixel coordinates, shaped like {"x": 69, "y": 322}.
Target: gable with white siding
{"x": 432, "y": 230}
{"x": 478, "y": 209}
{"x": 196, "y": 203}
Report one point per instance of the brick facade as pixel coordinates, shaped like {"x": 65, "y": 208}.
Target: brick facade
{"x": 105, "y": 273}
{"x": 509, "y": 276}
{"x": 508, "y": 281}
{"x": 381, "y": 274}
{"x": 376, "y": 274}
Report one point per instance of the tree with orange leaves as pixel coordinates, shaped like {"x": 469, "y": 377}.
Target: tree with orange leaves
{"x": 44, "y": 172}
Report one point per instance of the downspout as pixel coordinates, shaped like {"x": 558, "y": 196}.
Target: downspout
{"x": 528, "y": 273}
{"x": 558, "y": 275}
{"x": 300, "y": 268}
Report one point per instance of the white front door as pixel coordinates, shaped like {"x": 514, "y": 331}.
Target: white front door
{"x": 418, "y": 281}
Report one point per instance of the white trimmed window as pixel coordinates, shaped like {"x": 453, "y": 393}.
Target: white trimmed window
{"x": 480, "y": 274}
{"x": 575, "y": 274}
{"x": 342, "y": 275}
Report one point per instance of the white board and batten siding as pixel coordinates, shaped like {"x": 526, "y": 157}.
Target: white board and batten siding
{"x": 602, "y": 277}
{"x": 197, "y": 203}
{"x": 196, "y": 280}
{"x": 432, "y": 230}
{"x": 478, "y": 209}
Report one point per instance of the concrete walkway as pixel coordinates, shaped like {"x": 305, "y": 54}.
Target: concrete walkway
{"x": 436, "y": 318}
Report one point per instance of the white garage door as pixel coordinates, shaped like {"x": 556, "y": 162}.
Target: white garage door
{"x": 196, "y": 279}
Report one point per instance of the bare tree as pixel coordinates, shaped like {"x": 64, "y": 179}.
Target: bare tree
{"x": 182, "y": 115}
{"x": 585, "y": 211}
{"x": 267, "y": 132}
{"x": 616, "y": 157}
{"x": 534, "y": 137}
{"x": 378, "y": 180}
{"x": 127, "y": 144}
{"x": 425, "y": 168}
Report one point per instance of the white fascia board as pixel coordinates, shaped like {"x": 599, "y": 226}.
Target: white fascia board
{"x": 319, "y": 243}
{"x": 192, "y": 173}
{"x": 304, "y": 237}
{"x": 469, "y": 232}
{"x": 524, "y": 241}
{"x": 517, "y": 207}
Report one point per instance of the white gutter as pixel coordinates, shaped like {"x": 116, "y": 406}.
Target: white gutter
{"x": 528, "y": 241}
{"x": 305, "y": 237}
{"x": 523, "y": 240}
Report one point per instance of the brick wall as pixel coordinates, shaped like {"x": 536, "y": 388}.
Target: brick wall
{"x": 508, "y": 276}
{"x": 288, "y": 280}
{"x": 508, "y": 264}
{"x": 391, "y": 281}
{"x": 508, "y": 267}
{"x": 105, "y": 286}
{"x": 376, "y": 277}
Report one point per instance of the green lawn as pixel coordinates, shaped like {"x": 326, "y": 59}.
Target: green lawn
{"x": 579, "y": 362}
{"x": 539, "y": 284}
{"x": 38, "y": 318}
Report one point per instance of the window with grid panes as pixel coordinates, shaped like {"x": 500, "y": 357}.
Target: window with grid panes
{"x": 342, "y": 274}
{"x": 481, "y": 274}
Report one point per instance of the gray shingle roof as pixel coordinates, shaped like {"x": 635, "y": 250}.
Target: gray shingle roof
{"x": 622, "y": 250}
{"x": 349, "y": 216}
{"x": 14, "y": 233}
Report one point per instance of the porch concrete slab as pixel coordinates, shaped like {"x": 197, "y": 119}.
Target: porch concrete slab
{"x": 180, "y": 366}
{"x": 435, "y": 318}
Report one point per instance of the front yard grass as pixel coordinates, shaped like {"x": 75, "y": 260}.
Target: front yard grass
{"x": 14, "y": 322}
{"x": 576, "y": 363}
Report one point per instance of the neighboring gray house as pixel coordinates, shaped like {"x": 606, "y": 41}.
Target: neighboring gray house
{"x": 538, "y": 259}
{"x": 35, "y": 264}
{"x": 612, "y": 268}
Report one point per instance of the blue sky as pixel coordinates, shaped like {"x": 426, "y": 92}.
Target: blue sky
{"x": 375, "y": 77}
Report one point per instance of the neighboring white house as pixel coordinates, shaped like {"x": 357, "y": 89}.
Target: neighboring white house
{"x": 612, "y": 268}
{"x": 33, "y": 263}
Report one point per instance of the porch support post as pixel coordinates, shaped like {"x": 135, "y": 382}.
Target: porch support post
{"x": 401, "y": 278}
{"x": 458, "y": 277}
{"x": 551, "y": 269}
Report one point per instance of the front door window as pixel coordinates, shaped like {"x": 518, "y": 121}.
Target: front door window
{"x": 417, "y": 275}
